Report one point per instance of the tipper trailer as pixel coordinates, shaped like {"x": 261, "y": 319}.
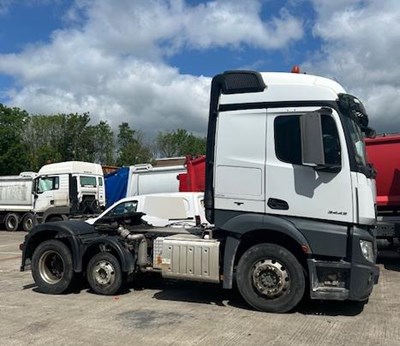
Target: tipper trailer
{"x": 16, "y": 201}
{"x": 288, "y": 189}
{"x": 384, "y": 154}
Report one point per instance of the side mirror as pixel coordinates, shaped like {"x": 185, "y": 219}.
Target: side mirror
{"x": 369, "y": 132}
{"x": 318, "y": 150}
{"x": 312, "y": 146}
{"x": 35, "y": 185}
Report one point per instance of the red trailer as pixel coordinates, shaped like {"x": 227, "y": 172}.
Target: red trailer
{"x": 194, "y": 180}
{"x": 384, "y": 153}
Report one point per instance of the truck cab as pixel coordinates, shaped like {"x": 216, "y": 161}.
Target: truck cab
{"x": 68, "y": 188}
{"x": 286, "y": 165}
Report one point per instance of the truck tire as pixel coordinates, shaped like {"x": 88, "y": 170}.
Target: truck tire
{"x": 27, "y": 222}
{"x": 52, "y": 267}
{"x": 11, "y": 222}
{"x": 270, "y": 278}
{"x": 104, "y": 274}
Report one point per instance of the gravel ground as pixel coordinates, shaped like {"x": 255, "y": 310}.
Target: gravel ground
{"x": 154, "y": 311}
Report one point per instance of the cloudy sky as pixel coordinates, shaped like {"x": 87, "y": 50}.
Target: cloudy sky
{"x": 150, "y": 62}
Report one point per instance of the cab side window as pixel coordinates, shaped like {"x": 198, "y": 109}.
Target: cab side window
{"x": 288, "y": 139}
{"x": 87, "y": 181}
{"x": 47, "y": 184}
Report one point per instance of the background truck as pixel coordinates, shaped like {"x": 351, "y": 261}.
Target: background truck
{"x": 384, "y": 154}
{"x": 194, "y": 179}
{"x": 141, "y": 179}
{"x": 16, "y": 201}
{"x": 68, "y": 189}
{"x": 287, "y": 187}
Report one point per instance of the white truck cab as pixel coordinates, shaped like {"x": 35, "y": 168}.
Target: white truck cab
{"x": 68, "y": 188}
{"x": 286, "y": 166}
{"x": 259, "y": 163}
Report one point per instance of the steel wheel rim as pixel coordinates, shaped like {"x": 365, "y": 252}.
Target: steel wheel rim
{"x": 270, "y": 278}
{"x": 51, "y": 267}
{"x": 104, "y": 273}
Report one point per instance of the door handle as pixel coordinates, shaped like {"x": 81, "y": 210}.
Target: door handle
{"x": 277, "y": 204}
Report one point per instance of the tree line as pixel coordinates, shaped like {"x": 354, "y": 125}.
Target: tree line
{"x": 27, "y": 142}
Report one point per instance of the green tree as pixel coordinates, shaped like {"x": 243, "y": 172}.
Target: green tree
{"x": 180, "y": 143}
{"x": 74, "y": 141}
{"x": 64, "y": 137}
{"x": 131, "y": 148}
{"x": 14, "y": 156}
{"x": 44, "y": 136}
{"x": 100, "y": 143}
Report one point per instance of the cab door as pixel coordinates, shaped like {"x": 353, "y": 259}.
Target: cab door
{"x": 45, "y": 187}
{"x": 295, "y": 189}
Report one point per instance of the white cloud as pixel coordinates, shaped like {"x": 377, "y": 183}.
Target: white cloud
{"x": 146, "y": 27}
{"x": 361, "y": 49}
{"x": 149, "y": 97}
{"x": 111, "y": 59}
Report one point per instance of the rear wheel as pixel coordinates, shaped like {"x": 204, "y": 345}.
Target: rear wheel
{"x": 11, "y": 222}
{"x": 52, "y": 267}
{"x": 104, "y": 274}
{"x": 27, "y": 222}
{"x": 270, "y": 278}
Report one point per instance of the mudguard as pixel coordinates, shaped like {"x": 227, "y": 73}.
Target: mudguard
{"x": 244, "y": 223}
{"x": 240, "y": 224}
{"x": 80, "y": 236}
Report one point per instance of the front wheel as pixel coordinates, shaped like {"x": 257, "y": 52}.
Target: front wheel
{"x": 104, "y": 274}
{"x": 270, "y": 278}
{"x": 52, "y": 267}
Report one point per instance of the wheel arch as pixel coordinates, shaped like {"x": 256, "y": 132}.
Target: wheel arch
{"x": 56, "y": 211}
{"x": 34, "y": 240}
{"x": 247, "y": 230}
{"x": 65, "y": 232}
{"x": 255, "y": 237}
{"x": 112, "y": 245}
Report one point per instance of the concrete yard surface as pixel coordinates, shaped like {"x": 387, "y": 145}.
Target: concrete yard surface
{"x": 153, "y": 311}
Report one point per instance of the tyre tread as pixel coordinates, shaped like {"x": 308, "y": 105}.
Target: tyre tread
{"x": 283, "y": 303}
{"x": 68, "y": 278}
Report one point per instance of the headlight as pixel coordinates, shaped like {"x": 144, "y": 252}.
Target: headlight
{"x": 367, "y": 250}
